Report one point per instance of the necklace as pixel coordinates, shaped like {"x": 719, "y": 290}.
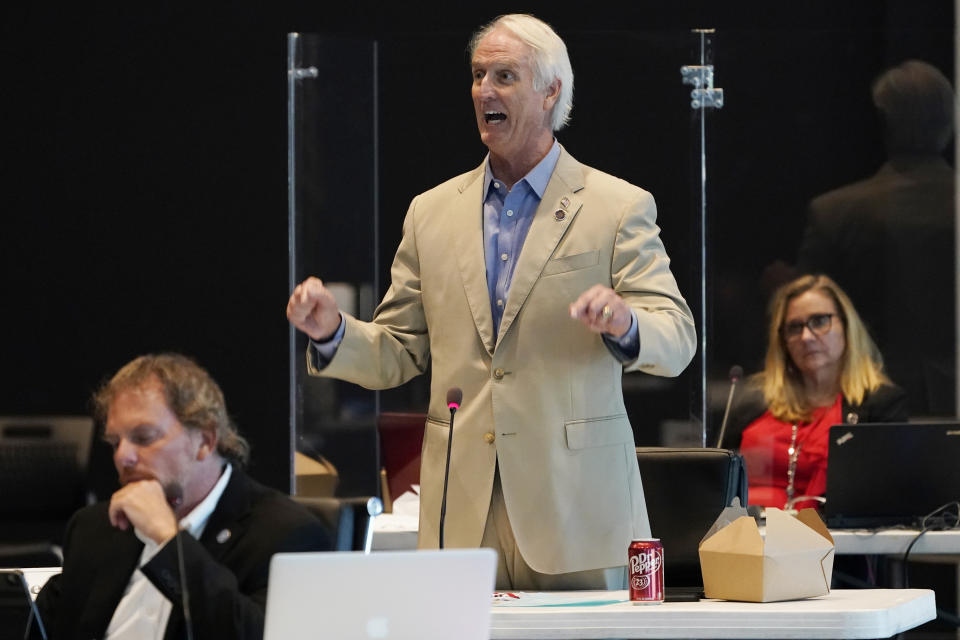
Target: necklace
{"x": 793, "y": 451}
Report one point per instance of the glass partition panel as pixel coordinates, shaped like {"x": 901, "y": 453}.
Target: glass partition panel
{"x": 636, "y": 122}
{"x": 333, "y": 235}
{"x": 833, "y": 155}
{"x": 425, "y": 133}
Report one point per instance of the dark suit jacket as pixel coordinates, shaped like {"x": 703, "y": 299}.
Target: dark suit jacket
{"x": 887, "y": 404}
{"x": 226, "y": 569}
{"x": 889, "y": 242}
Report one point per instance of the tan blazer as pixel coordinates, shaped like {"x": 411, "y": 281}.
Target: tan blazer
{"x": 544, "y": 396}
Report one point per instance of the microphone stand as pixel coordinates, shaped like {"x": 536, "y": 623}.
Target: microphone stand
{"x": 736, "y": 371}
{"x": 174, "y": 495}
{"x": 454, "y": 404}
{"x": 185, "y": 595}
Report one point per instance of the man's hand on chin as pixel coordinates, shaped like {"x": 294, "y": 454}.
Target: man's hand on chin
{"x": 144, "y": 505}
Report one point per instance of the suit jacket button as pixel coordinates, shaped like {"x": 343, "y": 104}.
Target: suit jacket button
{"x": 498, "y": 373}
{"x": 488, "y": 437}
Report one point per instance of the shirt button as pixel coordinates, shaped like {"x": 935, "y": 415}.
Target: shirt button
{"x": 499, "y": 303}
{"x": 488, "y": 437}
{"x": 498, "y": 373}
{"x": 504, "y": 257}
{"x": 496, "y": 185}
{"x": 509, "y": 212}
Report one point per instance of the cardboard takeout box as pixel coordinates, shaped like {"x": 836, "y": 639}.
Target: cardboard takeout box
{"x": 793, "y": 559}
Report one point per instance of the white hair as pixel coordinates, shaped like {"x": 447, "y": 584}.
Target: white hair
{"x": 550, "y": 59}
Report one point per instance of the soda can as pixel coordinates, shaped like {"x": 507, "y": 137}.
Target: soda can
{"x": 645, "y": 566}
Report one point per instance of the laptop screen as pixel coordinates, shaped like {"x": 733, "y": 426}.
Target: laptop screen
{"x": 428, "y": 595}
{"x": 888, "y": 474}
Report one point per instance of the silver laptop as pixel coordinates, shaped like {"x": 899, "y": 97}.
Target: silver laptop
{"x": 396, "y": 595}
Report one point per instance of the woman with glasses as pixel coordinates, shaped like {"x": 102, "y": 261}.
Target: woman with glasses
{"x": 821, "y": 369}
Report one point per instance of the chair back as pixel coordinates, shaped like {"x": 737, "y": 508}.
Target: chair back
{"x": 30, "y": 554}
{"x": 686, "y": 489}
{"x": 348, "y": 520}
{"x": 44, "y": 463}
{"x": 401, "y": 440}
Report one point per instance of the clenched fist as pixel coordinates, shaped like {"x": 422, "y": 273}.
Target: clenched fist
{"x": 313, "y": 309}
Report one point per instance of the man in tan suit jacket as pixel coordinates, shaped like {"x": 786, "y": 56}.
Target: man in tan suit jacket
{"x": 543, "y": 465}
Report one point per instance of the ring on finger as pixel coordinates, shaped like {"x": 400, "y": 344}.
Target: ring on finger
{"x": 607, "y": 312}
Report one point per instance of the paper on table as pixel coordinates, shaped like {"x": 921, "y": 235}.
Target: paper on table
{"x": 408, "y": 504}
{"x": 558, "y": 598}
{"x": 405, "y": 516}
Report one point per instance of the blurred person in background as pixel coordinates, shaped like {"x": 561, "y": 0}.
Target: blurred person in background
{"x": 822, "y": 368}
{"x": 889, "y": 240}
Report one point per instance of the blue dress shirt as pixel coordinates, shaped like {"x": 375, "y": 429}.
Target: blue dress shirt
{"x": 507, "y": 215}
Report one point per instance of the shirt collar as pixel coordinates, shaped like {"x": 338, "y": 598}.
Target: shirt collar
{"x": 537, "y": 178}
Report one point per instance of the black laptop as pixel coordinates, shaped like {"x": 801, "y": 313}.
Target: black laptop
{"x": 889, "y": 474}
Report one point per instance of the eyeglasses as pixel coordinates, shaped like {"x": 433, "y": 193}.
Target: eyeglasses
{"x": 818, "y": 323}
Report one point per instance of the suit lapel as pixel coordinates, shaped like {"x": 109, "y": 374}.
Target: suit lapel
{"x": 468, "y": 232}
{"x": 225, "y": 527}
{"x": 229, "y": 520}
{"x": 546, "y": 230}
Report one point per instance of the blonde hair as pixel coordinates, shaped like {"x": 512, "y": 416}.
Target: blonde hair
{"x": 861, "y": 366}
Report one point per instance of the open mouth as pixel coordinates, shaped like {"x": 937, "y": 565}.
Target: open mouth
{"x": 494, "y": 116}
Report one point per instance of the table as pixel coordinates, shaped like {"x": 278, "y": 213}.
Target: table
{"x": 394, "y": 533}
{"x": 857, "y": 613}
{"x": 895, "y": 541}
{"x": 934, "y": 546}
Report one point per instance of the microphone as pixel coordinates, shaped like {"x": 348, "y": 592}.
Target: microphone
{"x": 454, "y": 398}
{"x": 173, "y": 492}
{"x": 736, "y": 372}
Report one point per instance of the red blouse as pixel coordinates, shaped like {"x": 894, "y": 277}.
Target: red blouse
{"x": 764, "y": 447}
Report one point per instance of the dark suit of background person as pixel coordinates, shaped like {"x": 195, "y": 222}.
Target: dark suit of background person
{"x": 226, "y": 569}
{"x": 543, "y": 415}
{"x": 178, "y": 458}
{"x": 889, "y": 240}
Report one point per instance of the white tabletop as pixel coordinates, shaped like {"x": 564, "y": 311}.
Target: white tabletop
{"x": 895, "y": 541}
{"x": 395, "y": 533}
{"x": 860, "y": 613}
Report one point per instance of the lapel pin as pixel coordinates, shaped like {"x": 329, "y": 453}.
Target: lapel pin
{"x": 223, "y": 536}
{"x": 564, "y": 202}
{"x": 559, "y": 214}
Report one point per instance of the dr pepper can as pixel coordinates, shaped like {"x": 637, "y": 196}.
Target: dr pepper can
{"x": 645, "y": 564}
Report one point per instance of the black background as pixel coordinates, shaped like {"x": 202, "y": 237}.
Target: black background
{"x": 144, "y": 190}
